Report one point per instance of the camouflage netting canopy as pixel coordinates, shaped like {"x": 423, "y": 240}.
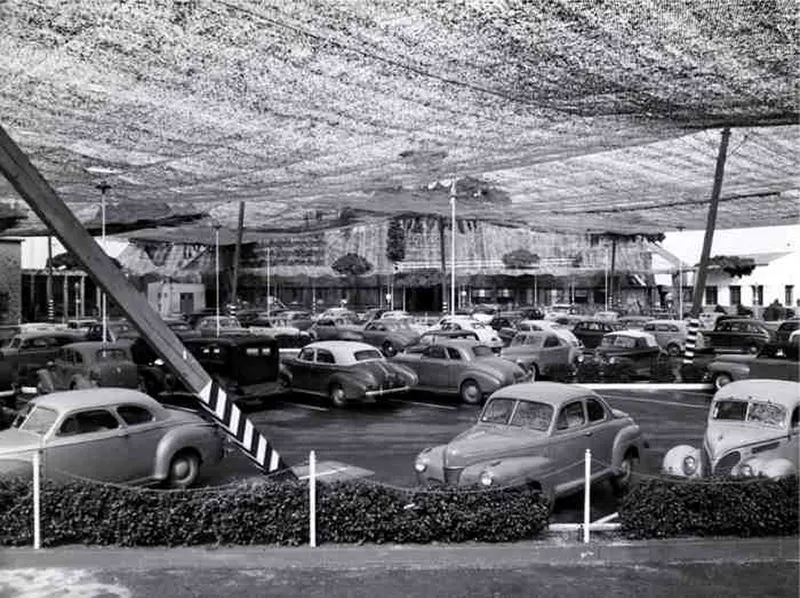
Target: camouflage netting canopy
{"x": 581, "y": 115}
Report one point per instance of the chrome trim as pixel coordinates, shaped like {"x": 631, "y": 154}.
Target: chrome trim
{"x": 385, "y": 391}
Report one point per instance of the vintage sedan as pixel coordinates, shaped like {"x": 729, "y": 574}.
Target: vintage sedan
{"x": 542, "y": 353}
{"x": 777, "y": 361}
{"x": 752, "y": 430}
{"x": 90, "y": 364}
{"x": 591, "y": 331}
{"x": 486, "y": 334}
{"x": 465, "y": 368}
{"x": 345, "y": 371}
{"x": 22, "y": 354}
{"x": 536, "y": 435}
{"x": 220, "y": 326}
{"x": 110, "y": 435}
{"x": 629, "y": 354}
{"x": 389, "y": 335}
{"x": 335, "y": 329}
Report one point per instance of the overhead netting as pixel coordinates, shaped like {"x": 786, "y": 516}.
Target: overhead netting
{"x": 595, "y": 115}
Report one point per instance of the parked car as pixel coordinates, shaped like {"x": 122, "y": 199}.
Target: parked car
{"x": 505, "y": 325}
{"x": 389, "y": 335}
{"x": 536, "y": 435}
{"x": 110, "y": 435}
{"x": 607, "y": 316}
{"x": 89, "y": 364}
{"x": 335, "y": 329}
{"x": 116, "y": 330}
{"x": 224, "y": 325}
{"x": 549, "y": 326}
{"x": 22, "y": 354}
{"x": 751, "y": 431}
{"x": 465, "y": 368}
{"x": 301, "y": 320}
{"x": 634, "y": 322}
{"x": 542, "y": 353}
{"x": 744, "y": 335}
{"x": 345, "y": 371}
{"x": 433, "y": 337}
{"x": 485, "y": 334}
{"x": 670, "y": 335}
{"x": 776, "y": 361}
{"x": 786, "y": 328}
{"x": 628, "y": 353}
{"x": 275, "y": 327}
{"x": 591, "y": 331}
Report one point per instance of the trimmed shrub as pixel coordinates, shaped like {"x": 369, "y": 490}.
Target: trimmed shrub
{"x": 267, "y": 512}
{"x": 669, "y": 507}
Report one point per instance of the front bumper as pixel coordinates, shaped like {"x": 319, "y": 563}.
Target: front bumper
{"x": 371, "y": 394}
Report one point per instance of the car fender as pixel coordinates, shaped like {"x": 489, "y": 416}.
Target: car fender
{"x": 45, "y": 382}
{"x": 736, "y": 371}
{"x": 628, "y": 437}
{"x": 489, "y": 382}
{"x": 672, "y": 464}
{"x": 514, "y": 471}
{"x": 409, "y": 375}
{"x": 200, "y": 437}
{"x": 353, "y": 386}
{"x": 770, "y": 468}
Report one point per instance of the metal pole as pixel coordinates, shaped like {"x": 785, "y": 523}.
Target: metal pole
{"x": 605, "y": 278}
{"x": 216, "y": 262}
{"x": 51, "y": 311}
{"x": 237, "y": 252}
{"x": 104, "y": 304}
{"x": 453, "y": 248}
{"x": 587, "y": 484}
{"x": 711, "y": 222}
{"x": 312, "y": 499}
{"x": 37, "y": 499}
{"x": 269, "y": 264}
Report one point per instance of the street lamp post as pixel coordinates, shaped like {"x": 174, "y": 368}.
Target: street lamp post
{"x": 680, "y": 283}
{"x": 269, "y": 259}
{"x": 453, "y": 249}
{"x": 216, "y": 261}
{"x": 103, "y": 186}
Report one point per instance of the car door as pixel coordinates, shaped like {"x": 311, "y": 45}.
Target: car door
{"x": 601, "y": 430}
{"x": 722, "y": 336}
{"x": 319, "y": 374}
{"x": 567, "y": 447}
{"x": 432, "y": 367}
{"x": 141, "y": 432}
{"x": 554, "y": 351}
{"x": 88, "y": 443}
{"x": 300, "y": 367}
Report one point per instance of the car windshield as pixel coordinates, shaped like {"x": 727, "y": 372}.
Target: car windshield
{"x": 110, "y": 355}
{"x": 367, "y": 354}
{"x": 760, "y": 412}
{"x": 35, "y": 419}
{"x": 623, "y": 342}
{"x": 7, "y": 342}
{"x": 533, "y": 415}
{"x": 498, "y": 411}
{"x": 482, "y": 351}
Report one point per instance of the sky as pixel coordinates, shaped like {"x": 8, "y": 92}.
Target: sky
{"x": 688, "y": 245}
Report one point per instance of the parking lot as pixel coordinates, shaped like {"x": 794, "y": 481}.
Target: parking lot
{"x": 380, "y": 442}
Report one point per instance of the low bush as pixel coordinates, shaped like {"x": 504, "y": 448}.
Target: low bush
{"x": 273, "y": 513}
{"x": 668, "y": 507}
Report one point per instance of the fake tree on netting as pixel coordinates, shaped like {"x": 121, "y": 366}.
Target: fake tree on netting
{"x": 352, "y": 265}
{"x": 520, "y": 259}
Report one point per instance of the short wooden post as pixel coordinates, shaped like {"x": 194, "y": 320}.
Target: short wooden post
{"x": 37, "y": 498}
{"x": 587, "y": 472}
{"x": 312, "y": 499}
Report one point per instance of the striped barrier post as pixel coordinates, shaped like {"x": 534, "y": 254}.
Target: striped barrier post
{"x": 240, "y": 429}
{"x": 691, "y": 341}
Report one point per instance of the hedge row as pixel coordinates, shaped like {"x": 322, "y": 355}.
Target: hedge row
{"x": 274, "y": 513}
{"x": 666, "y": 507}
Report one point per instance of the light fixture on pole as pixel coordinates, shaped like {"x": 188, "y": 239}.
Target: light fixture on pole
{"x": 216, "y": 268}
{"x": 453, "y": 248}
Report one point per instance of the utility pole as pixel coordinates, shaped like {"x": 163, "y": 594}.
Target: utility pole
{"x": 711, "y": 223}
{"x": 237, "y": 252}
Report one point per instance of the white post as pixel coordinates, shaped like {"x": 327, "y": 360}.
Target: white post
{"x": 37, "y": 497}
{"x": 587, "y": 483}
{"x": 269, "y": 259}
{"x": 605, "y": 278}
{"x": 680, "y": 289}
{"x": 312, "y": 499}
{"x": 216, "y": 261}
{"x": 453, "y": 248}
{"x": 104, "y": 304}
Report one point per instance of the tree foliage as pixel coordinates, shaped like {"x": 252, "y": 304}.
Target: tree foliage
{"x": 520, "y": 258}
{"x": 733, "y": 265}
{"x": 396, "y": 241}
{"x": 351, "y": 264}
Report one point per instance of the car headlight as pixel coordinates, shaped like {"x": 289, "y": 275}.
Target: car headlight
{"x": 486, "y": 479}
{"x": 746, "y": 470}
{"x": 689, "y": 465}
{"x": 579, "y": 359}
{"x": 421, "y": 464}
{"x": 612, "y": 360}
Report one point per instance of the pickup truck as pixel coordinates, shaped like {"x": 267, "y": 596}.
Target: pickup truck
{"x": 776, "y": 361}
{"x": 742, "y": 335}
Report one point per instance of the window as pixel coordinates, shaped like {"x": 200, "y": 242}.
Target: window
{"x": 498, "y": 411}
{"x": 571, "y": 416}
{"x": 736, "y": 294}
{"x": 595, "y": 410}
{"x": 436, "y": 352}
{"x": 535, "y": 416}
{"x": 788, "y": 295}
{"x": 110, "y": 355}
{"x": 134, "y": 415}
{"x": 87, "y": 422}
{"x": 325, "y": 356}
{"x": 551, "y": 341}
{"x": 482, "y": 351}
{"x": 306, "y": 355}
{"x": 795, "y": 418}
{"x": 453, "y": 353}
{"x": 649, "y": 327}
{"x": 367, "y": 355}
{"x": 711, "y": 295}
{"x": 758, "y": 294}
{"x": 35, "y": 419}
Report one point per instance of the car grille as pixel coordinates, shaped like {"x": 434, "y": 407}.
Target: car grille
{"x": 452, "y": 475}
{"x": 727, "y": 463}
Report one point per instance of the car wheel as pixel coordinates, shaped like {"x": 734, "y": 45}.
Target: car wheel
{"x": 337, "y": 396}
{"x": 624, "y": 480}
{"x": 183, "y": 469}
{"x": 721, "y": 379}
{"x": 389, "y": 349}
{"x": 674, "y": 350}
{"x": 471, "y": 393}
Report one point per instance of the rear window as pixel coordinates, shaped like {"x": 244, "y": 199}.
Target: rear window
{"x": 111, "y": 355}
{"x": 482, "y": 351}
{"x": 367, "y": 354}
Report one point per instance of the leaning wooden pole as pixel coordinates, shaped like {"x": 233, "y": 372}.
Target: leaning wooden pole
{"x": 711, "y": 223}
{"x": 60, "y": 220}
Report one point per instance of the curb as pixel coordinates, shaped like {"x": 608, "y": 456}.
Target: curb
{"x": 648, "y": 386}
{"x": 473, "y": 556}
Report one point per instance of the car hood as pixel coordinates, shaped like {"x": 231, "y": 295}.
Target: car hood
{"x": 520, "y": 351}
{"x": 485, "y": 442}
{"x": 497, "y": 365}
{"x": 723, "y": 437}
{"x": 15, "y": 441}
{"x": 735, "y": 358}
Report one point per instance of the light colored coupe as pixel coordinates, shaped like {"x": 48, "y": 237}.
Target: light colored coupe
{"x": 110, "y": 435}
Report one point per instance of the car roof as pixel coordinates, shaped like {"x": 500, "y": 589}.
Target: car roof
{"x": 666, "y": 321}
{"x": 341, "y": 347}
{"x": 93, "y": 397}
{"x": 553, "y": 393}
{"x": 40, "y": 333}
{"x": 631, "y": 333}
{"x": 548, "y": 332}
{"x": 243, "y": 340}
{"x": 777, "y": 391}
